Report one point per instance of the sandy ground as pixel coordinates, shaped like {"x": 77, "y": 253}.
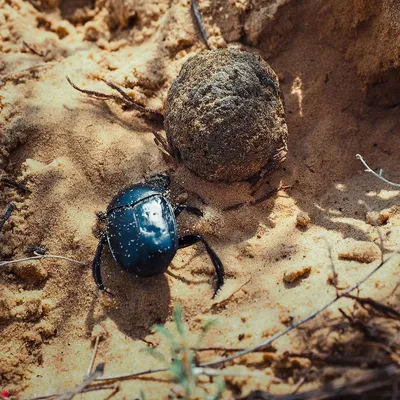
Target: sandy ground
{"x": 338, "y": 64}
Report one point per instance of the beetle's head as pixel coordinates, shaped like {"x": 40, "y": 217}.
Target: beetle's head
{"x": 160, "y": 181}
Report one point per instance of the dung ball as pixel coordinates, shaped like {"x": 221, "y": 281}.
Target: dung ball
{"x": 224, "y": 116}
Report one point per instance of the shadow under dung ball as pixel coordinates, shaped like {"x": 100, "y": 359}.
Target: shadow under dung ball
{"x": 224, "y": 116}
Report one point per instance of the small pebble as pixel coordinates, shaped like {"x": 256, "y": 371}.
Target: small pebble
{"x": 293, "y": 274}
{"x": 363, "y": 252}
{"x": 379, "y": 217}
{"x": 303, "y": 219}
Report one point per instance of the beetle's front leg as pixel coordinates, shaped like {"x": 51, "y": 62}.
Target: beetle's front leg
{"x": 97, "y": 264}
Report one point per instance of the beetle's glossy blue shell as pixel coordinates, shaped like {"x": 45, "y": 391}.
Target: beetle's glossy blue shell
{"x": 141, "y": 230}
{"x": 132, "y": 195}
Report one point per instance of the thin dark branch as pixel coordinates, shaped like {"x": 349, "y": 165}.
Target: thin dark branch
{"x": 7, "y": 213}
{"x": 358, "y": 325}
{"x": 88, "y": 389}
{"x": 82, "y": 388}
{"x": 334, "y": 279}
{"x": 199, "y": 22}
{"x": 96, "y": 95}
{"x": 93, "y": 358}
{"x": 269, "y": 194}
{"x": 23, "y": 72}
{"x": 162, "y": 144}
{"x": 130, "y": 103}
{"x": 17, "y": 185}
{"x": 233, "y": 349}
{"x": 124, "y": 99}
{"x": 116, "y": 389}
{"x": 32, "y": 49}
{"x": 130, "y": 376}
{"x": 91, "y": 378}
{"x": 387, "y": 311}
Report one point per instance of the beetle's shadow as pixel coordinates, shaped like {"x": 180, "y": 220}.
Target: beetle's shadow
{"x": 139, "y": 303}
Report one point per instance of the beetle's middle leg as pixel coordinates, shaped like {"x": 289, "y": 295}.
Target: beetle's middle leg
{"x": 189, "y": 240}
{"x": 265, "y": 197}
{"x": 193, "y": 210}
{"x": 97, "y": 264}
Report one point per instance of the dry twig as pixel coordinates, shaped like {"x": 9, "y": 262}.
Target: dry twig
{"x": 92, "y": 388}
{"x": 233, "y": 349}
{"x": 382, "y": 309}
{"x": 378, "y": 175}
{"x": 91, "y": 378}
{"x": 359, "y": 326}
{"x": 39, "y": 257}
{"x": 124, "y": 99}
{"x": 96, "y": 346}
{"x": 7, "y": 213}
{"x": 199, "y": 22}
{"x": 23, "y": 72}
{"x": 17, "y": 185}
{"x": 334, "y": 278}
{"x": 30, "y": 48}
{"x": 82, "y": 388}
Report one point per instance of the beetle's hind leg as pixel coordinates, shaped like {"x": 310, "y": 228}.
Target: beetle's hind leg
{"x": 97, "y": 265}
{"x": 189, "y": 240}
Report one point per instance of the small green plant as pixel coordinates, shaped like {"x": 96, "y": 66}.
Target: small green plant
{"x": 182, "y": 364}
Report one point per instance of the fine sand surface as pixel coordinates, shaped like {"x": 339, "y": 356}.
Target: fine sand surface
{"x": 338, "y": 64}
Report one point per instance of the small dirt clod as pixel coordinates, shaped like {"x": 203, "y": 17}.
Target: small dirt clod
{"x": 224, "y": 116}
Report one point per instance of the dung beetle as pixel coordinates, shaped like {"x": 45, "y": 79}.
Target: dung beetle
{"x": 142, "y": 233}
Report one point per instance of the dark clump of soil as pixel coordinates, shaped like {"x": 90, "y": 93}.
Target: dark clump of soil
{"x": 224, "y": 116}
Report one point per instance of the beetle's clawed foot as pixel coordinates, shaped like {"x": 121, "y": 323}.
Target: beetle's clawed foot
{"x": 220, "y": 283}
{"x": 110, "y": 294}
{"x": 197, "y": 212}
{"x": 216, "y": 291}
{"x": 101, "y": 216}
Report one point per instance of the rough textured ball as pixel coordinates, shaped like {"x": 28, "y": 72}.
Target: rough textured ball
{"x": 224, "y": 116}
